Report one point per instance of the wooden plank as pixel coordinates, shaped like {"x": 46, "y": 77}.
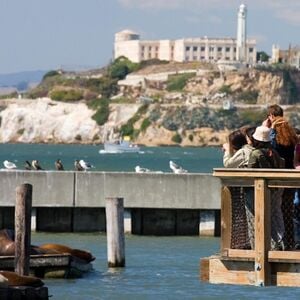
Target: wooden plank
{"x": 231, "y": 272}
{"x": 225, "y": 219}
{"x": 7, "y": 262}
{"x": 262, "y": 232}
{"x": 204, "y": 269}
{"x": 238, "y": 254}
{"x": 284, "y": 256}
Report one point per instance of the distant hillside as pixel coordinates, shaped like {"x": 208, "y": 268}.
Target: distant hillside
{"x": 21, "y": 80}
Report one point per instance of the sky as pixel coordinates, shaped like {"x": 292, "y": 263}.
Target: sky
{"x": 74, "y": 34}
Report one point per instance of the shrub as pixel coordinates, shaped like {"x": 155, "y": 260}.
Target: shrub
{"x": 178, "y": 82}
{"x": 50, "y": 74}
{"x": 78, "y": 137}
{"x": 249, "y": 97}
{"x": 177, "y": 138}
{"x": 66, "y": 95}
{"x": 191, "y": 137}
{"x": 102, "y": 113}
{"x": 225, "y": 89}
{"x": 145, "y": 124}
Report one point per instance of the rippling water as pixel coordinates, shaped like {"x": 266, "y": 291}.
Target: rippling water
{"x": 156, "y": 268}
{"x": 194, "y": 159}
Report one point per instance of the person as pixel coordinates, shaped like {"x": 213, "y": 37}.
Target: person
{"x": 284, "y": 140}
{"x": 296, "y": 214}
{"x": 236, "y": 150}
{"x": 264, "y": 156}
{"x": 236, "y": 155}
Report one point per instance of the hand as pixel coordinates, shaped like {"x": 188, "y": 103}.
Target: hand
{"x": 225, "y": 147}
{"x": 267, "y": 122}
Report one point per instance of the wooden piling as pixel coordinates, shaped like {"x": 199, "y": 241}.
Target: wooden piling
{"x": 115, "y": 232}
{"x": 23, "y": 228}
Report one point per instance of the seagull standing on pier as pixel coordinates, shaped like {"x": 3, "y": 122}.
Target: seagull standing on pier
{"x": 36, "y": 165}
{"x": 176, "y": 169}
{"x": 138, "y": 169}
{"x": 9, "y": 165}
{"x": 58, "y": 165}
{"x": 85, "y": 165}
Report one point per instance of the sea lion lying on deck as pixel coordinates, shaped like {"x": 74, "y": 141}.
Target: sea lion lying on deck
{"x": 7, "y": 247}
{"x": 7, "y": 243}
{"x": 57, "y": 248}
{"x": 13, "y": 279}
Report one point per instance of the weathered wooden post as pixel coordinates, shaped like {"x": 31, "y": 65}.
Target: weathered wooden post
{"x": 23, "y": 228}
{"x": 115, "y": 232}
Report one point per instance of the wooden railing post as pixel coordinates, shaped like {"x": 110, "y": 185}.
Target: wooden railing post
{"x": 23, "y": 228}
{"x": 225, "y": 220}
{"x": 115, "y": 232}
{"x": 262, "y": 232}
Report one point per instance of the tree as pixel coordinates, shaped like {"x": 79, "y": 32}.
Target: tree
{"x": 262, "y": 56}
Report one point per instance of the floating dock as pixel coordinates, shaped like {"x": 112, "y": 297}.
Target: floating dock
{"x": 259, "y": 266}
{"x": 50, "y": 265}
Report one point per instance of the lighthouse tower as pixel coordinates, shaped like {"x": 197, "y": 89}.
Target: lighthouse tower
{"x": 241, "y": 34}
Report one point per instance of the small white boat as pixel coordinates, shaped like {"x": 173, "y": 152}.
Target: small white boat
{"x": 121, "y": 146}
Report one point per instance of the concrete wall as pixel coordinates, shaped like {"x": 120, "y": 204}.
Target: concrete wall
{"x": 89, "y": 189}
{"x": 158, "y": 204}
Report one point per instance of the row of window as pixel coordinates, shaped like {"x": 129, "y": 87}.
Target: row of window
{"x": 202, "y": 58}
{"x": 211, "y": 49}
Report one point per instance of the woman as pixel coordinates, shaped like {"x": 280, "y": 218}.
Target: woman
{"x": 236, "y": 155}
{"x": 264, "y": 156}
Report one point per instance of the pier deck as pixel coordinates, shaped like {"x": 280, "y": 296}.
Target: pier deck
{"x": 259, "y": 266}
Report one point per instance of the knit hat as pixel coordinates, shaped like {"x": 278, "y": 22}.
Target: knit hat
{"x": 262, "y": 134}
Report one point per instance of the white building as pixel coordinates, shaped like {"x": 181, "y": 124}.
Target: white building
{"x": 129, "y": 44}
{"x": 290, "y": 56}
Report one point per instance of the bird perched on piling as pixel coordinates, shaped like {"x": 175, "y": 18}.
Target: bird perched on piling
{"x": 176, "y": 169}
{"x": 85, "y": 165}
{"x": 58, "y": 165}
{"x": 27, "y": 165}
{"x": 77, "y": 165}
{"x": 36, "y": 165}
{"x": 9, "y": 165}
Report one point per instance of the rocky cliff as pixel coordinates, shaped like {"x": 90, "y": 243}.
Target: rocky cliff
{"x": 194, "y": 116}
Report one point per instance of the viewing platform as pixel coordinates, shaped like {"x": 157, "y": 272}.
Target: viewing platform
{"x": 260, "y": 266}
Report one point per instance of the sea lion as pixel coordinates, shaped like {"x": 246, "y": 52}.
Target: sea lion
{"x": 7, "y": 243}
{"x": 13, "y": 279}
{"x": 57, "y": 248}
{"x": 7, "y": 248}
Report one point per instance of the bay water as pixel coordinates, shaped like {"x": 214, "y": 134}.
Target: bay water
{"x": 156, "y": 267}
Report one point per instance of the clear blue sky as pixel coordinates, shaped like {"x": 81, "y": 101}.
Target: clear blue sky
{"x": 47, "y": 34}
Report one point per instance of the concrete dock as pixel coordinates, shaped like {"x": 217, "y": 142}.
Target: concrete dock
{"x": 158, "y": 204}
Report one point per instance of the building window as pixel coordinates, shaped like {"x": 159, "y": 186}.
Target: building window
{"x": 150, "y": 48}
{"x": 227, "y": 49}
{"x": 195, "y": 48}
{"x": 187, "y": 58}
{"x": 202, "y": 57}
{"x": 194, "y": 57}
{"x": 250, "y": 50}
{"x": 187, "y": 48}
{"x": 219, "y": 49}
{"x": 143, "y": 48}
{"x": 156, "y": 49}
{"x": 234, "y": 49}
{"x": 211, "y": 49}
{"x": 202, "y": 48}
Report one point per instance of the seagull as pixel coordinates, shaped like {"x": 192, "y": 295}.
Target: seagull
{"x": 58, "y": 165}
{"x": 36, "y": 165}
{"x": 176, "y": 169}
{"x": 9, "y": 165}
{"x": 85, "y": 165}
{"x": 27, "y": 165}
{"x": 138, "y": 169}
{"x": 77, "y": 166}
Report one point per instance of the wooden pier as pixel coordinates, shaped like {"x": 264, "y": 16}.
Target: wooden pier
{"x": 260, "y": 266}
